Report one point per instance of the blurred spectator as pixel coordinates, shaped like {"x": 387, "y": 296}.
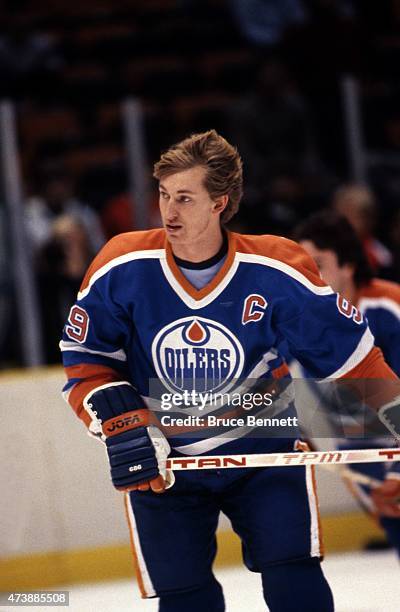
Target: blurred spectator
{"x": 271, "y": 128}
{"x": 394, "y": 237}
{"x": 118, "y": 214}
{"x": 383, "y": 172}
{"x": 358, "y": 205}
{"x": 392, "y": 131}
{"x": 319, "y": 53}
{"x": 70, "y": 244}
{"x": 57, "y": 198}
{"x": 326, "y": 41}
{"x": 286, "y": 199}
{"x": 271, "y": 125}
{"x": 263, "y": 22}
{"x": 27, "y": 58}
{"x": 65, "y": 235}
{"x": 61, "y": 264}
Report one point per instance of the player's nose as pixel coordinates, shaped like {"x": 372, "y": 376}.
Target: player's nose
{"x": 171, "y": 211}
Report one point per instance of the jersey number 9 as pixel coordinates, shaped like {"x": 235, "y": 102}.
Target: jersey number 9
{"x": 348, "y": 310}
{"x": 78, "y": 320}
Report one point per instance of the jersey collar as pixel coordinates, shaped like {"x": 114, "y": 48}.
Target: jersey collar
{"x": 197, "y": 298}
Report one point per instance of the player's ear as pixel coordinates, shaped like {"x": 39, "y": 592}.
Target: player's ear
{"x": 220, "y": 203}
{"x": 349, "y": 269}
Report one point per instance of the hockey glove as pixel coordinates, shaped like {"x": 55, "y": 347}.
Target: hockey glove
{"x": 386, "y": 497}
{"x": 137, "y": 452}
{"x": 136, "y": 449}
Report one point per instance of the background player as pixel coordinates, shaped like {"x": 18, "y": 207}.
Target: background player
{"x": 340, "y": 257}
{"x": 194, "y": 306}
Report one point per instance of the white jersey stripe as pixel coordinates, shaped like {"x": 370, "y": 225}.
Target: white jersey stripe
{"x": 66, "y": 394}
{"x": 194, "y": 304}
{"x": 147, "y": 583}
{"x": 379, "y": 302}
{"x": 286, "y": 269}
{"x": 122, "y": 259}
{"x": 72, "y": 346}
{"x": 315, "y": 549}
{"x": 363, "y": 348}
{"x": 188, "y": 299}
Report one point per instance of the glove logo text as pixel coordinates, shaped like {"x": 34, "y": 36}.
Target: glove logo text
{"x": 124, "y": 422}
{"x": 135, "y": 468}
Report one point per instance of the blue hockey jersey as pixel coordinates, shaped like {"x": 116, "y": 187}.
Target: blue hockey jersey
{"x": 379, "y": 302}
{"x": 138, "y": 319}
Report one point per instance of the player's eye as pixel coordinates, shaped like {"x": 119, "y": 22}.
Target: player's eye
{"x": 164, "y": 195}
{"x": 185, "y": 199}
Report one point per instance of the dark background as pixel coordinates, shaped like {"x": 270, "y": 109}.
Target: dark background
{"x": 268, "y": 75}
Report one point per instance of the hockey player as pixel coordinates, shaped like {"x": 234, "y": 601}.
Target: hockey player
{"x": 339, "y": 255}
{"x": 193, "y": 307}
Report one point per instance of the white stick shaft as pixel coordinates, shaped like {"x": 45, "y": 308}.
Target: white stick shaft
{"x": 372, "y": 455}
{"x": 359, "y": 478}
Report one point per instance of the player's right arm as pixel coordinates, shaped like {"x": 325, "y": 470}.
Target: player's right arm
{"x": 94, "y": 349}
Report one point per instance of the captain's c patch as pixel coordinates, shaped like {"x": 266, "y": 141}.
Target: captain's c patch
{"x": 253, "y": 308}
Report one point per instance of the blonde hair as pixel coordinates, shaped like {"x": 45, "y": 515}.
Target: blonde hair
{"x": 221, "y": 160}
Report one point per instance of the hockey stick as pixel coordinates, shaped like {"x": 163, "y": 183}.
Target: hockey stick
{"x": 359, "y": 478}
{"x": 372, "y": 455}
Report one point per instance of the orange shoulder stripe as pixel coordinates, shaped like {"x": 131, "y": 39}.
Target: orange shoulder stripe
{"x": 93, "y": 376}
{"x": 372, "y": 366}
{"x": 283, "y": 250}
{"x": 372, "y": 380}
{"x": 122, "y": 245}
{"x": 379, "y": 288}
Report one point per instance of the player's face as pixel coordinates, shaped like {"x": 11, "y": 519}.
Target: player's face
{"x": 188, "y": 213}
{"x": 332, "y": 272}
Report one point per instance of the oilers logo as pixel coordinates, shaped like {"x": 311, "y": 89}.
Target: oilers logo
{"x": 197, "y": 354}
